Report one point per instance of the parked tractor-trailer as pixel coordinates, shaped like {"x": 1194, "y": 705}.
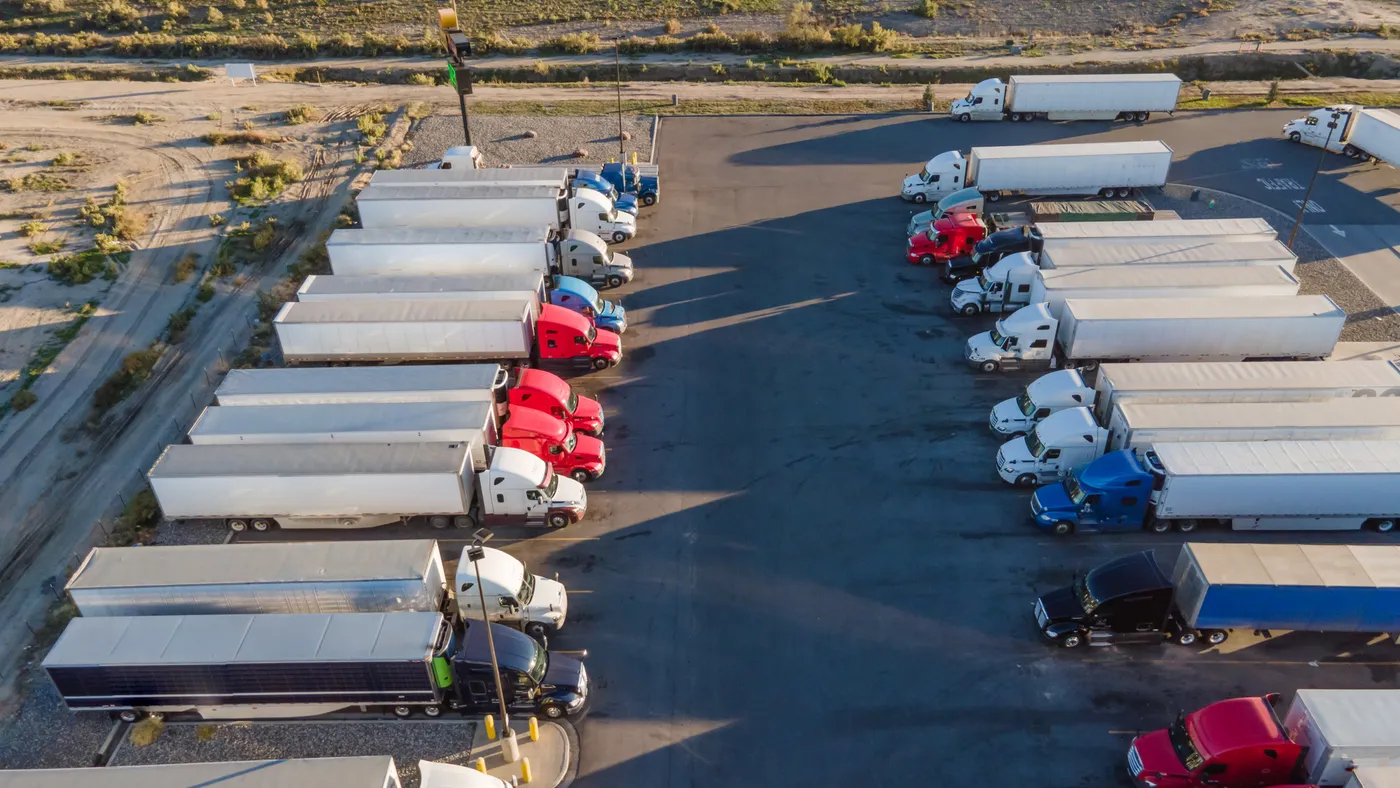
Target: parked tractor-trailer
{"x": 461, "y": 287}
{"x": 562, "y": 178}
{"x": 441, "y": 330}
{"x": 476, "y": 251}
{"x": 1268, "y": 485}
{"x": 1327, "y": 738}
{"x": 245, "y": 667}
{"x": 1351, "y": 131}
{"x": 1070, "y": 439}
{"x": 1215, "y": 588}
{"x": 1095, "y": 330}
{"x": 1220, "y": 381}
{"x": 1109, "y": 169}
{"x": 287, "y": 577}
{"x": 492, "y": 205}
{"x": 1069, "y": 97}
{"x": 360, "y": 485}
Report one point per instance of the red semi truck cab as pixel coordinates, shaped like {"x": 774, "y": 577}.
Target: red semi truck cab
{"x": 567, "y": 336}
{"x": 554, "y": 441}
{"x": 536, "y": 389}
{"x": 1237, "y": 743}
{"x": 949, "y": 237}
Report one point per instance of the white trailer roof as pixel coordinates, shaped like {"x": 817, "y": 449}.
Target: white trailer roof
{"x": 410, "y": 377}
{"x": 1118, "y": 277}
{"x": 1129, "y": 230}
{"x": 401, "y": 236}
{"x": 1285, "y": 375}
{"x": 1383, "y": 116}
{"x": 1354, "y": 718}
{"x": 1055, "y": 79}
{"x": 182, "y": 460}
{"x": 464, "y": 191}
{"x": 1071, "y": 251}
{"x": 365, "y": 771}
{"x": 1185, "y": 308}
{"x": 234, "y": 639}
{"x": 1356, "y": 566}
{"x": 282, "y": 562}
{"x": 374, "y": 285}
{"x": 1349, "y": 412}
{"x": 343, "y": 418}
{"x": 462, "y": 175}
{"x": 402, "y": 311}
{"x": 1266, "y": 458}
{"x": 1375, "y": 777}
{"x": 1072, "y": 150}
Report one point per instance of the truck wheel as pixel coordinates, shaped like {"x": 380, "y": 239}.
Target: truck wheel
{"x": 1062, "y": 528}
{"x": 648, "y": 199}
{"x": 552, "y": 711}
{"x": 238, "y": 525}
{"x": 1072, "y": 640}
{"x": 964, "y": 118}
{"x": 1026, "y": 480}
{"x": 1159, "y": 526}
{"x": 537, "y": 630}
{"x": 1015, "y": 117}
{"x": 994, "y": 196}
{"x": 1350, "y": 151}
{"x": 1295, "y": 137}
{"x": 1106, "y": 193}
{"x": 1143, "y": 116}
{"x": 1186, "y": 526}
{"x": 128, "y": 715}
{"x": 1384, "y": 526}
{"x": 920, "y": 199}
{"x": 970, "y": 309}
{"x": 581, "y": 476}
{"x": 432, "y": 710}
{"x": 557, "y": 519}
{"x": 1186, "y": 638}
{"x": 438, "y": 521}
{"x": 261, "y": 524}
{"x": 614, "y": 281}
{"x": 1125, "y": 192}
{"x": 926, "y": 260}
{"x": 600, "y": 363}
{"x": 989, "y": 366}
{"x": 1217, "y": 636}
{"x": 463, "y": 521}
{"x": 403, "y": 712}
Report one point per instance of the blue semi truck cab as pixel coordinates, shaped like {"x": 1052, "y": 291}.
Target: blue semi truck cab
{"x": 643, "y": 180}
{"x": 588, "y": 179}
{"x": 578, "y": 296}
{"x": 1112, "y": 493}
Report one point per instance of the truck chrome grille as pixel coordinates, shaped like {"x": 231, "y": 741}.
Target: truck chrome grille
{"x": 1134, "y": 761}
{"x": 1041, "y": 617}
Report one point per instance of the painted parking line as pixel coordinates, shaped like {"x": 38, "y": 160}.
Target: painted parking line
{"x": 1316, "y": 663}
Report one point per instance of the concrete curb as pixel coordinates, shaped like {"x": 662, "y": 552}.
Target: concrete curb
{"x": 655, "y": 134}
{"x": 570, "y": 771}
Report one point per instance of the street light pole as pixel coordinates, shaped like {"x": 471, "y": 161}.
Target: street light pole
{"x": 617, "y": 64}
{"x": 1307, "y": 195}
{"x": 475, "y": 553}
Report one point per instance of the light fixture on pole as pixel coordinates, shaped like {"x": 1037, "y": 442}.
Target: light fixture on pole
{"x": 1307, "y": 195}
{"x": 617, "y": 65}
{"x": 475, "y": 553}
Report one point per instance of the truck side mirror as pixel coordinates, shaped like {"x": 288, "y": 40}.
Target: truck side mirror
{"x": 467, "y": 586}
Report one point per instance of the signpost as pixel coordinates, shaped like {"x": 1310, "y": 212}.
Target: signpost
{"x": 459, "y": 76}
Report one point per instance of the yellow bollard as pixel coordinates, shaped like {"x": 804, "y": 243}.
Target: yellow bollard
{"x": 534, "y": 729}
{"x": 490, "y": 727}
{"x": 447, "y": 18}
{"x": 480, "y": 765}
{"x": 634, "y": 158}
{"x": 524, "y": 770}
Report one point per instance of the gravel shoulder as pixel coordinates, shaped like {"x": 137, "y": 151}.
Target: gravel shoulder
{"x": 505, "y": 139}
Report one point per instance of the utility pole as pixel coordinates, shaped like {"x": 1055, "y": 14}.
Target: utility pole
{"x": 1331, "y": 127}
{"x": 459, "y": 48}
{"x": 474, "y": 554}
{"x": 617, "y": 64}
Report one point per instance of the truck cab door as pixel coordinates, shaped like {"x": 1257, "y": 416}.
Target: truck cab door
{"x": 1135, "y": 619}
{"x": 536, "y": 506}
{"x": 1089, "y": 511}
{"x": 569, "y": 266}
{"x": 1038, "y": 348}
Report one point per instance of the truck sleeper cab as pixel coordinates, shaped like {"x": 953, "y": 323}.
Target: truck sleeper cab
{"x": 580, "y": 457}
{"x": 536, "y": 605}
{"x": 949, "y": 237}
{"x": 577, "y": 295}
{"x": 537, "y": 389}
{"x": 1237, "y": 743}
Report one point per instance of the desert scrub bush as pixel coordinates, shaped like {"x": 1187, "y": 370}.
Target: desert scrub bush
{"x": 185, "y": 268}
{"x": 372, "y": 126}
{"x": 135, "y": 370}
{"x": 421, "y": 79}
{"x": 264, "y": 178}
{"x": 572, "y": 44}
{"x": 110, "y": 15}
{"x": 418, "y": 109}
{"x": 108, "y": 244}
{"x": 38, "y": 182}
{"x": 673, "y": 27}
{"x": 47, "y": 245}
{"x": 32, "y": 228}
{"x": 67, "y": 159}
{"x": 213, "y": 15}
{"x": 206, "y": 291}
{"x": 178, "y": 325}
{"x": 138, "y": 118}
{"x": 79, "y": 268}
{"x": 240, "y": 138}
{"x": 217, "y": 220}
{"x": 927, "y": 9}
{"x": 302, "y": 113}
{"x": 23, "y": 400}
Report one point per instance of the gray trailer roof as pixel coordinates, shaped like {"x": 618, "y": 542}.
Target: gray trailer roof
{"x": 345, "y": 418}
{"x": 235, "y": 639}
{"x": 1356, "y": 566}
{"x": 1340, "y": 413}
{"x": 1190, "y": 376}
{"x": 1083, "y": 252}
{"x": 1070, "y": 150}
{"x": 400, "y": 236}
{"x": 1186, "y": 308}
{"x": 1055, "y": 79}
{"x": 1267, "y": 458}
{"x": 465, "y": 191}
{"x": 289, "y": 562}
{"x": 1129, "y": 230}
{"x": 403, "y": 311}
{"x": 373, "y": 285}
{"x": 366, "y": 771}
{"x": 309, "y": 380}
{"x": 310, "y": 459}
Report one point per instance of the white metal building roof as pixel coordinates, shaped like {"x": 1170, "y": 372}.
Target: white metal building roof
{"x": 1359, "y": 566}
{"x": 1185, "y": 308}
{"x": 183, "y": 460}
{"x": 1348, "y": 412}
{"x": 367, "y": 771}
{"x": 1263, "y": 458}
{"x": 282, "y": 562}
{"x": 1071, "y": 150}
{"x": 224, "y": 639}
{"x": 402, "y": 236}
{"x": 402, "y": 311}
{"x": 1189, "y": 376}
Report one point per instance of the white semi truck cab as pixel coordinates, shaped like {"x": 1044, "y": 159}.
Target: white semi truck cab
{"x": 1350, "y": 130}
{"x": 583, "y": 255}
{"x": 1060, "y": 443}
{"x": 943, "y": 174}
{"x": 536, "y": 605}
{"x": 461, "y": 157}
{"x": 596, "y": 213}
{"x": 1047, "y": 394}
{"x": 1025, "y": 337}
{"x": 1003, "y": 287}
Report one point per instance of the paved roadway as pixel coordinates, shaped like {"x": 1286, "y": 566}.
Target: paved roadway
{"x": 801, "y": 567}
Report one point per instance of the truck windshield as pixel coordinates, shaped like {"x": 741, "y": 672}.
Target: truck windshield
{"x": 539, "y": 664}
{"x": 550, "y": 485}
{"x": 570, "y": 443}
{"x": 572, "y": 404}
{"x": 998, "y": 338}
{"x": 1025, "y": 403}
{"x": 1074, "y": 490}
{"x": 527, "y": 587}
{"x": 1034, "y": 443}
{"x": 932, "y": 234}
{"x": 983, "y": 281}
{"x": 925, "y": 175}
{"x": 1081, "y": 592}
{"x": 592, "y": 334}
{"x": 1185, "y": 748}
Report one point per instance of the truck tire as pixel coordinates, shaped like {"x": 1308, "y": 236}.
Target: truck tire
{"x": 537, "y": 630}
{"x": 1026, "y": 480}
{"x": 1062, "y": 528}
{"x": 1072, "y": 640}
{"x": 993, "y": 196}
{"x": 600, "y": 363}
{"x": 989, "y": 366}
{"x": 614, "y": 281}
{"x": 619, "y": 236}
{"x": 1295, "y": 137}
{"x": 1143, "y": 116}
{"x": 1186, "y": 637}
{"x": 128, "y": 715}
{"x": 557, "y": 519}
{"x": 1124, "y": 192}
{"x": 964, "y": 118}
{"x": 439, "y": 521}
{"x": 581, "y": 476}
{"x": 920, "y": 199}
{"x": 1187, "y": 526}
{"x": 237, "y": 524}
{"x": 648, "y": 199}
{"x": 1216, "y": 636}
{"x": 1384, "y": 525}
{"x": 1015, "y": 117}
{"x": 463, "y": 521}
{"x": 432, "y": 710}
{"x": 261, "y": 524}
{"x": 1350, "y": 150}
{"x": 552, "y": 711}
{"x": 1106, "y": 192}
{"x": 926, "y": 260}
{"x": 1158, "y": 526}
{"x": 970, "y": 309}
{"x": 402, "y": 712}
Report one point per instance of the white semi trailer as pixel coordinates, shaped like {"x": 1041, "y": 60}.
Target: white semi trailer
{"x": 1109, "y": 169}
{"x": 1169, "y": 231}
{"x": 1069, "y": 97}
{"x": 1196, "y": 250}
{"x": 333, "y": 385}
{"x": 494, "y": 205}
{"x": 461, "y": 287}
